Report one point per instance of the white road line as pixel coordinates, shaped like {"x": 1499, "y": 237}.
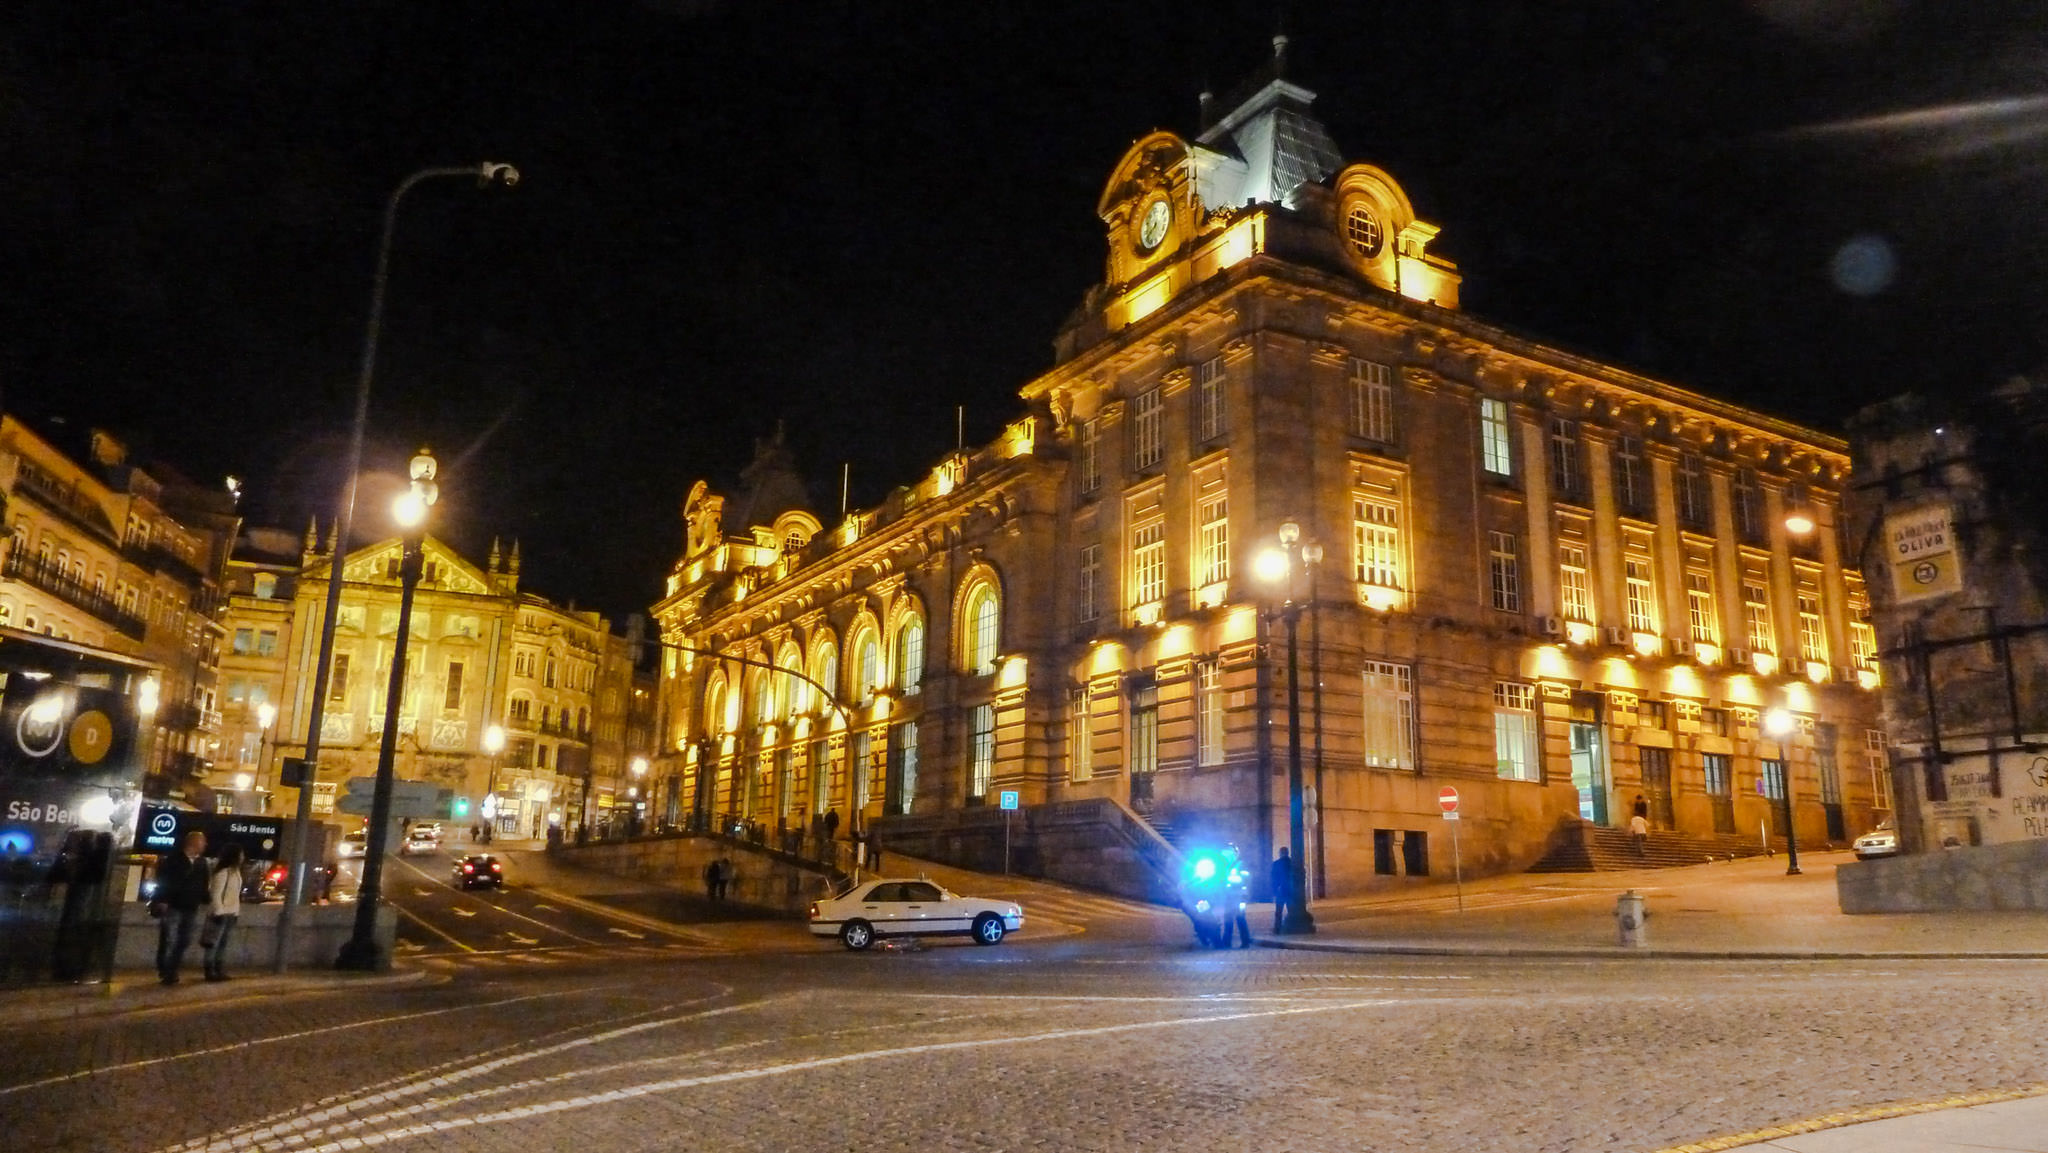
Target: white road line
{"x": 646, "y": 1089}
{"x": 271, "y": 1040}
{"x": 501, "y": 908}
{"x": 417, "y": 920}
{"x": 345, "y": 1107}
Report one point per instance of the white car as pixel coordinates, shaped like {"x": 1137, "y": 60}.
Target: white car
{"x": 421, "y": 841}
{"x": 1882, "y": 841}
{"x": 911, "y": 908}
{"x": 353, "y": 845}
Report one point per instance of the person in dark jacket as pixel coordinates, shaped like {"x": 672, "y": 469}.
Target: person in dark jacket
{"x": 182, "y": 880}
{"x": 1281, "y": 879}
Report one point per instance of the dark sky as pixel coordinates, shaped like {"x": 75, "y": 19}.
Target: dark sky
{"x": 853, "y": 215}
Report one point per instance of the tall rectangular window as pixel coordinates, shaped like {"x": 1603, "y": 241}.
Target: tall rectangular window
{"x": 1565, "y": 468}
{"x": 1145, "y": 727}
{"x": 245, "y": 642}
{"x": 1813, "y": 643}
{"x": 1880, "y": 768}
{"x": 1756, "y": 614}
{"x": 1089, "y": 601}
{"x": 981, "y": 750}
{"x": 1699, "y": 603}
{"x": 1090, "y": 452}
{"x": 1215, "y": 543}
{"x": 1574, "y": 584}
{"x": 1148, "y": 429}
{"x": 1642, "y": 595}
{"x": 1515, "y": 749}
{"x": 1375, "y": 542}
{"x": 1631, "y": 479}
{"x": 1827, "y": 763}
{"x": 1080, "y": 736}
{"x": 337, "y": 682}
{"x": 1148, "y": 562}
{"x": 1692, "y": 490}
{"x": 1749, "y": 505}
{"x": 266, "y": 642}
{"x": 1209, "y": 712}
{"x": 1504, "y": 571}
{"x": 1372, "y": 400}
{"x": 451, "y": 698}
{"x": 1863, "y": 644}
{"x": 1495, "y": 454}
{"x": 1389, "y": 717}
{"x": 1211, "y": 419}
{"x": 1718, "y": 776}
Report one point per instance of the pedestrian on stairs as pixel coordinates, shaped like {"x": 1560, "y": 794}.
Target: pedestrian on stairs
{"x": 1639, "y": 825}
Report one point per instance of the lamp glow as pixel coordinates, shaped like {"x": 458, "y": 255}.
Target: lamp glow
{"x": 266, "y": 714}
{"x": 1779, "y": 723}
{"x": 409, "y": 510}
{"x": 1270, "y": 565}
{"x": 494, "y": 740}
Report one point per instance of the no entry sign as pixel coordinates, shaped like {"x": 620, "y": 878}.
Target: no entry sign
{"x": 1447, "y": 800}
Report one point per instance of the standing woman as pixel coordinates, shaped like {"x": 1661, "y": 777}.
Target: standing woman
{"x": 225, "y": 895}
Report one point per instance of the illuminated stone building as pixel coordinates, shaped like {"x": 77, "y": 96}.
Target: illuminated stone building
{"x": 1546, "y": 581}
{"x": 104, "y": 553}
{"x": 481, "y": 653}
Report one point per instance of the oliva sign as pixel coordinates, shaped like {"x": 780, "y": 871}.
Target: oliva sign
{"x": 1923, "y": 555}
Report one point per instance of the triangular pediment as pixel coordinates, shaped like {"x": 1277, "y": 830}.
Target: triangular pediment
{"x": 375, "y": 564}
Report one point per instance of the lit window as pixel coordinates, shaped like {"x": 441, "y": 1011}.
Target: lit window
{"x": 1504, "y": 571}
{"x": 1372, "y": 401}
{"x": 1756, "y": 615}
{"x": 981, "y": 750}
{"x": 1209, "y": 712}
{"x": 1362, "y": 231}
{"x": 868, "y": 666}
{"x": 1148, "y": 562}
{"x": 1574, "y": 584}
{"x": 1215, "y": 548}
{"x": 1699, "y": 601}
{"x": 1515, "y": 750}
{"x": 1080, "y": 737}
{"x": 1495, "y": 453}
{"x": 910, "y": 655}
{"x": 984, "y": 630}
{"x": 1089, "y": 600}
{"x": 1642, "y": 595}
{"x": 1375, "y": 542}
{"x": 1144, "y": 728}
{"x": 1389, "y": 720}
{"x": 1211, "y": 418}
{"x": 1148, "y": 429}
{"x": 1813, "y": 644}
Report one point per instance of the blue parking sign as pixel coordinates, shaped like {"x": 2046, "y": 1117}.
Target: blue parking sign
{"x": 1009, "y": 798}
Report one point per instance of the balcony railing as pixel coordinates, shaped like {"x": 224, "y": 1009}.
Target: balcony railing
{"x": 65, "y": 500}
{"x": 66, "y": 587}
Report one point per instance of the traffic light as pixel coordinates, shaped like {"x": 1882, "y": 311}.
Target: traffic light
{"x": 460, "y": 808}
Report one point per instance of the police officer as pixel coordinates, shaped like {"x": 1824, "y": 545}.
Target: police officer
{"x": 1237, "y": 893}
{"x": 1201, "y": 892}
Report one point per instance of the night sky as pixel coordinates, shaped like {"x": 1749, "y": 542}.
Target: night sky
{"x": 853, "y": 216}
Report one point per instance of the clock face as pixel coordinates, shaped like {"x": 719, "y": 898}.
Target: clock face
{"x": 1152, "y": 229}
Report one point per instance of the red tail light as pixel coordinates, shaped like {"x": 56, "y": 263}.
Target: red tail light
{"x": 276, "y": 874}
{"x": 469, "y": 868}
{"x": 494, "y": 866}
{"x": 814, "y": 910}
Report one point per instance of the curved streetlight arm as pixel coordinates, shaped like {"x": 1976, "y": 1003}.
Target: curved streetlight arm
{"x": 486, "y": 173}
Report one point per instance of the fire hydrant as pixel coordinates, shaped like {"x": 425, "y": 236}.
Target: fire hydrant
{"x": 1629, "y": 917}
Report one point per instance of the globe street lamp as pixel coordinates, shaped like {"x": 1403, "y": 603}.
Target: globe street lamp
{"x": 487, "y": 173}
{"x": 410, "y": 511}
{"x": 1276, "y": 566}
{"x": 1780, "y": 724}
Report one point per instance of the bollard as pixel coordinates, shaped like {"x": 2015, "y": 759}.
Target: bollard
{"x": 1628, "y": 917}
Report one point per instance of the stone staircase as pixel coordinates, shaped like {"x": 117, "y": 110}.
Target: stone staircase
{"x": 1163, "y": 827}
{"x": 1584, "y": 847}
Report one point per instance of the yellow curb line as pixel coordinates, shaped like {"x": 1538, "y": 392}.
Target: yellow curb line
{"x": 1858, "y": 1116}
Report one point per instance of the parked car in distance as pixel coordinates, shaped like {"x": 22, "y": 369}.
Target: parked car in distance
{"x": 1882, "y": 841}
{"x": 426, "y": 829}
{"x": 479, "y": 871}
{"x": 911, "y": 908}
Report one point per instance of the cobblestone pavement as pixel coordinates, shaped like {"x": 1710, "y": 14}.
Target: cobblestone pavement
{"x": 1067, "y": 1042}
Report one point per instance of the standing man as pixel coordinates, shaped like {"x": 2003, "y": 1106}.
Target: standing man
{"x": 1281, "y": 878}
{"x": 181, "y": 891}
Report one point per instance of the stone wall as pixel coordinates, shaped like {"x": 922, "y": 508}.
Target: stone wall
{"x": 2012, "y": 876}
{"x": 762, "y": 877}
{"x": 318, "y": 932}
{"x": 1094, "y": 844}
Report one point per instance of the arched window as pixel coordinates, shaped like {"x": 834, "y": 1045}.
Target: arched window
{"x": 767, "y": 697}
{"x": 984, "y": 629}
{"x": 825, "y": 668}
{"x": 910, "y": 655}
{"x": 867, "y": 665}
{"x": 714, "y": 708}
{"x": 582, "y": 720}
{"x": 796, "y": 693}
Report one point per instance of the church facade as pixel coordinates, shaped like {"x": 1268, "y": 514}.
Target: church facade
{"x": 1556, "y": 586}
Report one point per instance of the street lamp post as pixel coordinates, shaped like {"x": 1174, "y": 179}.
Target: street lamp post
{"x": 1780, "y": 724}
{"x": 493, "y": 744}
{"x": 266, "y": 715}
{"x": 410, "y": 510}
{"x": 635, "y": 822}
{"x": 487, "y": 173}
{"x": 1277, "y": 566}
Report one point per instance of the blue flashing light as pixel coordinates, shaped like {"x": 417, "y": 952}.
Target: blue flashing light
{"x": 1205, "y": 868}
{"x": 16, "y": 840}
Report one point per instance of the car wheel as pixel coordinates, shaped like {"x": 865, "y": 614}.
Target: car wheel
{"x": 857, "y": 935}
{"x": 988, "y": 929}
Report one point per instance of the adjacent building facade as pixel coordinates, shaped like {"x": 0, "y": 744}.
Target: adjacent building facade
{"x": 482, "y": 654}
{"x": 1550, "y": 583}
{"x": 103, "y": 553}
